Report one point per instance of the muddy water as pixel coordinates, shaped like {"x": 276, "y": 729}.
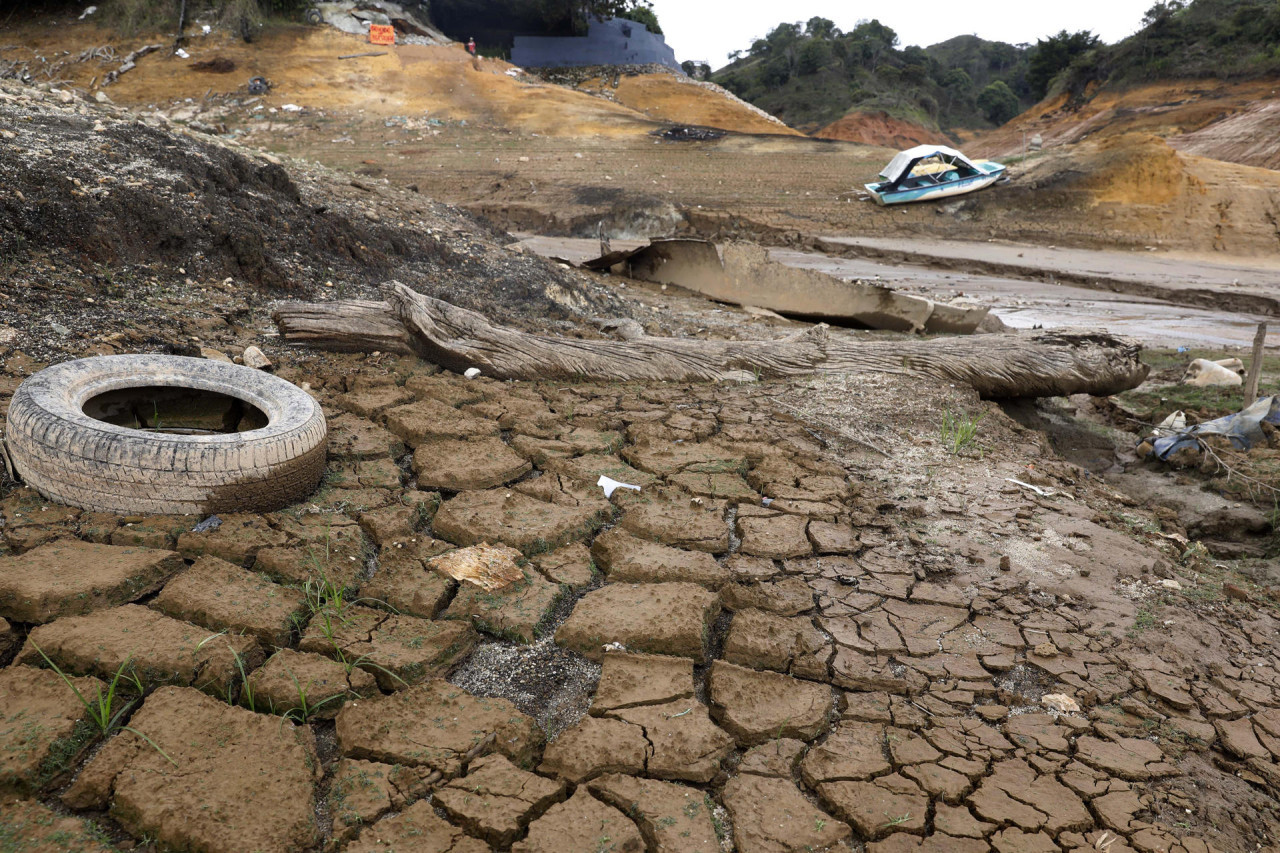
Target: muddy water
{"x": 1025, "y": 304}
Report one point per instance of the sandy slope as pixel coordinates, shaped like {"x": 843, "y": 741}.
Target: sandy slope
{"x": 1233, "y": 121}
{"x": 442, "y": 82}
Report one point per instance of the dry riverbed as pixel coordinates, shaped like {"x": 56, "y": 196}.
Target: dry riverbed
{"x": 858, "y": 612}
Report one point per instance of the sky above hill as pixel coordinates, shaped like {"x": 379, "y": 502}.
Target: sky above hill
{"x": 709, "y": 29}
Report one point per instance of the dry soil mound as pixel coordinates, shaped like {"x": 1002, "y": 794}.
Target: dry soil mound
{"x": 108, "y": 188}
{"x": 1232, "y": 121}
{"x": 1135, "y": 186}
{"x": 879, "y": 128}
{"x": 440, "y": 82}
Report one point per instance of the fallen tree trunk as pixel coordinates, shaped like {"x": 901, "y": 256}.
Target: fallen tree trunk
{"x": 1040, "y": 365}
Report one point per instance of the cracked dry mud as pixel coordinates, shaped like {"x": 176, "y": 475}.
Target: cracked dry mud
{"x": 859, "y": 665}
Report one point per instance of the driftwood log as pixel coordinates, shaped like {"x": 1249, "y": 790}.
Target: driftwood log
{"x": 1044, "y": 364}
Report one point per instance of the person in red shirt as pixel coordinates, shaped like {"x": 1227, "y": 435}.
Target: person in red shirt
{"x": 471, "y": 47}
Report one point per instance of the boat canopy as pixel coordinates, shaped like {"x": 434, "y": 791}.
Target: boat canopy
{"x": 901, "y": 165}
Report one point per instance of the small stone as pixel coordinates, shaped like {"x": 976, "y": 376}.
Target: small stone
{"x": 489, "y": 567}
{"x": 256, "y": 358}
{"x": 215, "y": 355}
{"x": 1060, "y": 703}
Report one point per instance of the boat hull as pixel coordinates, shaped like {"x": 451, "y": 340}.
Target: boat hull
{"x": 935, "y": 191}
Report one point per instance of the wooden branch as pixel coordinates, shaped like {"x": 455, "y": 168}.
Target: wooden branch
{"x": 457, "y": 339}
{"x": 351, "y": 326}
{"x": 1051, "y": 363}
{"x": 1054, "y": 363}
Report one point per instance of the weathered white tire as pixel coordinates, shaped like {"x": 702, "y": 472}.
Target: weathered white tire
{"x": 74, "y": 459}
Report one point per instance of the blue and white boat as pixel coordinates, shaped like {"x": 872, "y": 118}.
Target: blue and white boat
{"x": 929, "y": 172}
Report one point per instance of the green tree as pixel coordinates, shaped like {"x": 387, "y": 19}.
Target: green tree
{"x": 1050, "y": 56}
{"x": 956, "y": 85}
{"x": 998, "y": 103}
{"x": 642, "y": 13}
{"x": 814, "y": 55}
{"x": 821, "y": 28}
{"x": 870, "y": 41}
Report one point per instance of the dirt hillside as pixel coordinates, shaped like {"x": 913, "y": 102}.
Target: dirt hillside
{"x": 882, "y": 129}
{"x": 440, "y": 82}
{"x": 1238, "y": 122}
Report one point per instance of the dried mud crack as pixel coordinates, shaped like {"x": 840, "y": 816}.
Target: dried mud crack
{"x": 783, "y": 641}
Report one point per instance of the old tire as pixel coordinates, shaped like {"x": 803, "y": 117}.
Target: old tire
{"x": 74, "y": 459}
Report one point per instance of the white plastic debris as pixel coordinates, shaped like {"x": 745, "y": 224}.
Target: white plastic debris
{"x": 291, "y": 108}
{"x": 472, "y": 372}
{"x": 181, "y": 54}
{"x": 610, "y": 485}
{"x": 87, "y": 12}
{"x": 1175, "y": 423}
{"x": 1039, "y": 491}
{"x": 1060, "y": 702}
{"x": 206, "y": 29}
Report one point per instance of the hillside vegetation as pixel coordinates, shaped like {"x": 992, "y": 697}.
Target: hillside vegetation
{"x": 812, "y": 74}
{"x": 1222, "y": 39}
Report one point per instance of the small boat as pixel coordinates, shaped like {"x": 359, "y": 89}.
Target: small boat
{"x": 929, "y": 172}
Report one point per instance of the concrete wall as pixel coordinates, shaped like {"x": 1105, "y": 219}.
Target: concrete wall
{"x": 613, "y": 42}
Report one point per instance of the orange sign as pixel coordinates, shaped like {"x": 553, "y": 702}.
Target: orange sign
{"x": 381, "y": 34}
